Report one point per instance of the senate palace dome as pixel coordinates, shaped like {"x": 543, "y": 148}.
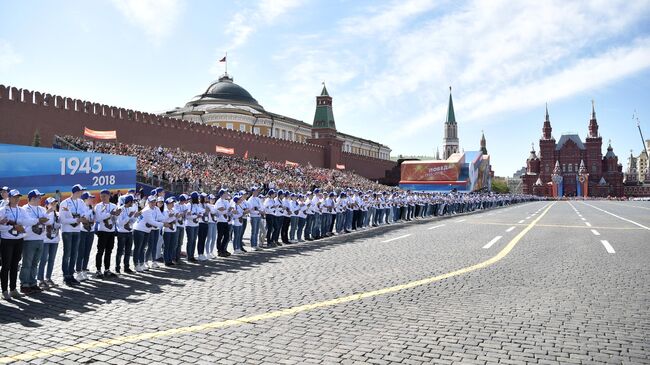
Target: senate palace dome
{"x": 224, "y": 90}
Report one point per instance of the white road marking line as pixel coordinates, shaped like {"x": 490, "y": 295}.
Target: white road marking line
{"x": 462, "y": 220}
{"x": 438, "y": 226}
{"x": 583, "y": 218}
{"x": 510, "y": 229}
{"x": 588, "y": 224}
{"x": 534, "y": 213}
{"x": 396, "y": 238}
{"x": 608, "y": 247}
{"x": 521, "y": 221}
{"x": 494, "y": 240}
{"x": 618, "y": 216}
{"x": 595, "y": 232}
{"x": 528, "y": 217}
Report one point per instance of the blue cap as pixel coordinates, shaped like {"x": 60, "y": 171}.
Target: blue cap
{"x": 87, "y": 195}
{"x": 128, "y": 199}
{"x": 131, "y": 191}
{"x": 271, "y": 192}
{"x": 205, "y": 195}
{"x": 182, "y": 198}
{"x": 170, "y": 200}
{"x": 280, "y": 192}
{"x": 152, "y": 192}
{"x": 34, "y": 193}
{"x": 151, "y": 198}
{"x": 316, "y": 191}
{"x": 253, "y": 188}
{"x": 77, "y": 188}
{"x": 235, "y": 199}
{"x": 211, "y": 196}
{"x": 332, "y": 194}
{"x": 105, "y": 191}
{"x": 292, "y": 195}
{"x": 14, "y": 192}
{"x": 194, "y": 195}
{"x": 50, "y": 200}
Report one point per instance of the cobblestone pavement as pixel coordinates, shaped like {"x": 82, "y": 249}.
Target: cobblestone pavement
{"x": 548, "y": 291}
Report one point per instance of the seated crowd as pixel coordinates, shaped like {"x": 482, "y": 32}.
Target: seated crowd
{"x": 279, "y": 205}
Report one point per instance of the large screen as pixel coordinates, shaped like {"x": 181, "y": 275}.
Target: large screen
{"x": 47, "y": 169}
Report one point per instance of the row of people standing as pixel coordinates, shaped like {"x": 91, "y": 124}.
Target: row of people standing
{"x": 204, "y": 223}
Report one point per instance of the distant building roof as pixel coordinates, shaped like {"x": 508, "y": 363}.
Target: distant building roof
{"x": 569, "y": 137}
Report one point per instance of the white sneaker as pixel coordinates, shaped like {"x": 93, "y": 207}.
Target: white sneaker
{"x": 255, "y": 248}
{"x": 154, "y": 265}
{"x": 5, "y": 294}
{"x": 201, "y": 258}
{"x": 79, "y": 276}
{"x": 139, "y": 268}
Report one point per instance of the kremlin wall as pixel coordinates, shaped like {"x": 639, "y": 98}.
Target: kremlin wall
{"x": 22, "y": 112}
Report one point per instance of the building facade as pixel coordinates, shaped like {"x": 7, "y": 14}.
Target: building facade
{"x": 571, "y": 167}
{"x": 227, "y": 105}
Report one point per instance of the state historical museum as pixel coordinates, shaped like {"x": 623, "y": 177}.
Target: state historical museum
{"x": 571, "y": 167}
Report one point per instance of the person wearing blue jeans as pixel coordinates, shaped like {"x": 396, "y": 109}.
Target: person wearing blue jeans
{"x": 143, "y": 226}
{"x": 72, "y": 213}
{"x": 32, "y": 252}
{"x": 139, "y": 240}
{"x": 70, "y": 251}
{"x": 50, "y": 245}
{"x": 255, "y": 209}
{"x": 33, "y": 241}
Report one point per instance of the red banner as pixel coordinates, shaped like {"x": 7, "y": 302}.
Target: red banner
{"x": 226, "y": 150}
{"x": 289, "y": 163}
{"x": 340, "y": 166}
{"x": 100, "y": 134}
{"x": 430, "y": 171}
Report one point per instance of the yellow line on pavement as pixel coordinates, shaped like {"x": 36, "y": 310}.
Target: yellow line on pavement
{"x": 270, "y": 315}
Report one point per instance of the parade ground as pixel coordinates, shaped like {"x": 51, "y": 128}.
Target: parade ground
{"x": 540, "y": 282}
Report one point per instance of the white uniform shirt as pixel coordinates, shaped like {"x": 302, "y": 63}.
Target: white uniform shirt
{"x": 67, "y": 210}
{"x": 55, "y": 230}
{"x": 147, "y": 217}
{"x": 35, "y": 212}
{"x": 222, "y": 206}
{"x": 254, "y": 206}
{"x": 20, "y": 217}
{"x": 103, "y": 212}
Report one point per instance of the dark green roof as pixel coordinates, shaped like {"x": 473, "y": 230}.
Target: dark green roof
{"x": 324, "y": 117}
{"x": 324, "y": 92}
{"x": 451, "y": 116}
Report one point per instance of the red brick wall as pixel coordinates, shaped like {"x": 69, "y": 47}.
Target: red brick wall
{"x": 23, "y": 111}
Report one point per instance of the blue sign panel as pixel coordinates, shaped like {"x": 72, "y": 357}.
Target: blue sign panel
{"x": 47, "y": 169}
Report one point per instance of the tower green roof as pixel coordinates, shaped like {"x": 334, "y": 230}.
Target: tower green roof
{"x": 451, "y": 116}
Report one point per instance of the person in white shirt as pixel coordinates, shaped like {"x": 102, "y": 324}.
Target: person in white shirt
{"x": 309, "y": 221}
{"x": 152, "y": 248}
{"x": 125, "y": 222}
{"x": 169, "y": 231}
{"x": 33, "y": 242}
{"x": 72, "y": 212}
{"x": 341, "y": 207}
{"x": 4, "y": 196}
{"x": 192, "y": 224}
{"x": 143, "y": 226}
{"x": 269, "y": 212}
{"x": 285, "y": 208}
{"x": 86, "y": 237}
{"x": 50, "y": 245}
{"x": 204, "y": 219}
{"x": 243, "y": 196}
{"x": 14, "y": 223}
{"x": 316, "y": 226}
{"x": 255, "y": 216}
{"x": 105, "y": 216}
{"x": 181, "y": 209}
{"x": 294, "y": 209}
{"x": 237, "y": 223}
{"x": 223, "y": 231}
{"x": 302, "y": 216}
{"x": 211, "y": 240}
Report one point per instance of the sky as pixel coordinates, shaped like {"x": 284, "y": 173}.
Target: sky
{"x": 387, "y": 64}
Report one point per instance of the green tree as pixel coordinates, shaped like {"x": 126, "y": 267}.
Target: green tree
{"x": 37, "y": 139}
{"x": 500, "y": 186}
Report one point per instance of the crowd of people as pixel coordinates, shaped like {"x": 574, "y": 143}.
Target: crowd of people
{"x": 276, "y": 205}
{"x": 179, "y": 170}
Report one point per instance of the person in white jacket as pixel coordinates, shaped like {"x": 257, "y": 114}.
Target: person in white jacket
{"x": 72, "y": 212}
{"x": 14, "y": 223}
{"x": 33, "y": 242}
{"x": 141, "y": 231}
{"x": 105, "y": 216}
{"x": 170, "y": 220}
{"x": 125, "y": 223}
{"x": 50, "y": 245}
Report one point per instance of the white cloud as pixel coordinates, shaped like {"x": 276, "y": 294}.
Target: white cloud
{"x": 244, "y": 23}
{"x": 157, "y": 18}
{"x": 500, "y": 55}
{"x": 8, "y": 56}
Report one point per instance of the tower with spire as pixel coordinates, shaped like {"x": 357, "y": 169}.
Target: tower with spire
{"x": 450, "y": 143}
{"x": 324, "y": 131}
{"x": 483, "y": 144}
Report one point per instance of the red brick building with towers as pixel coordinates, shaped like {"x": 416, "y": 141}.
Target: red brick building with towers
{"x": 571, "y": 167}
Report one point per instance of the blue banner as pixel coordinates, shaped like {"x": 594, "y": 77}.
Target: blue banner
{"x": 48, "y": 169}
